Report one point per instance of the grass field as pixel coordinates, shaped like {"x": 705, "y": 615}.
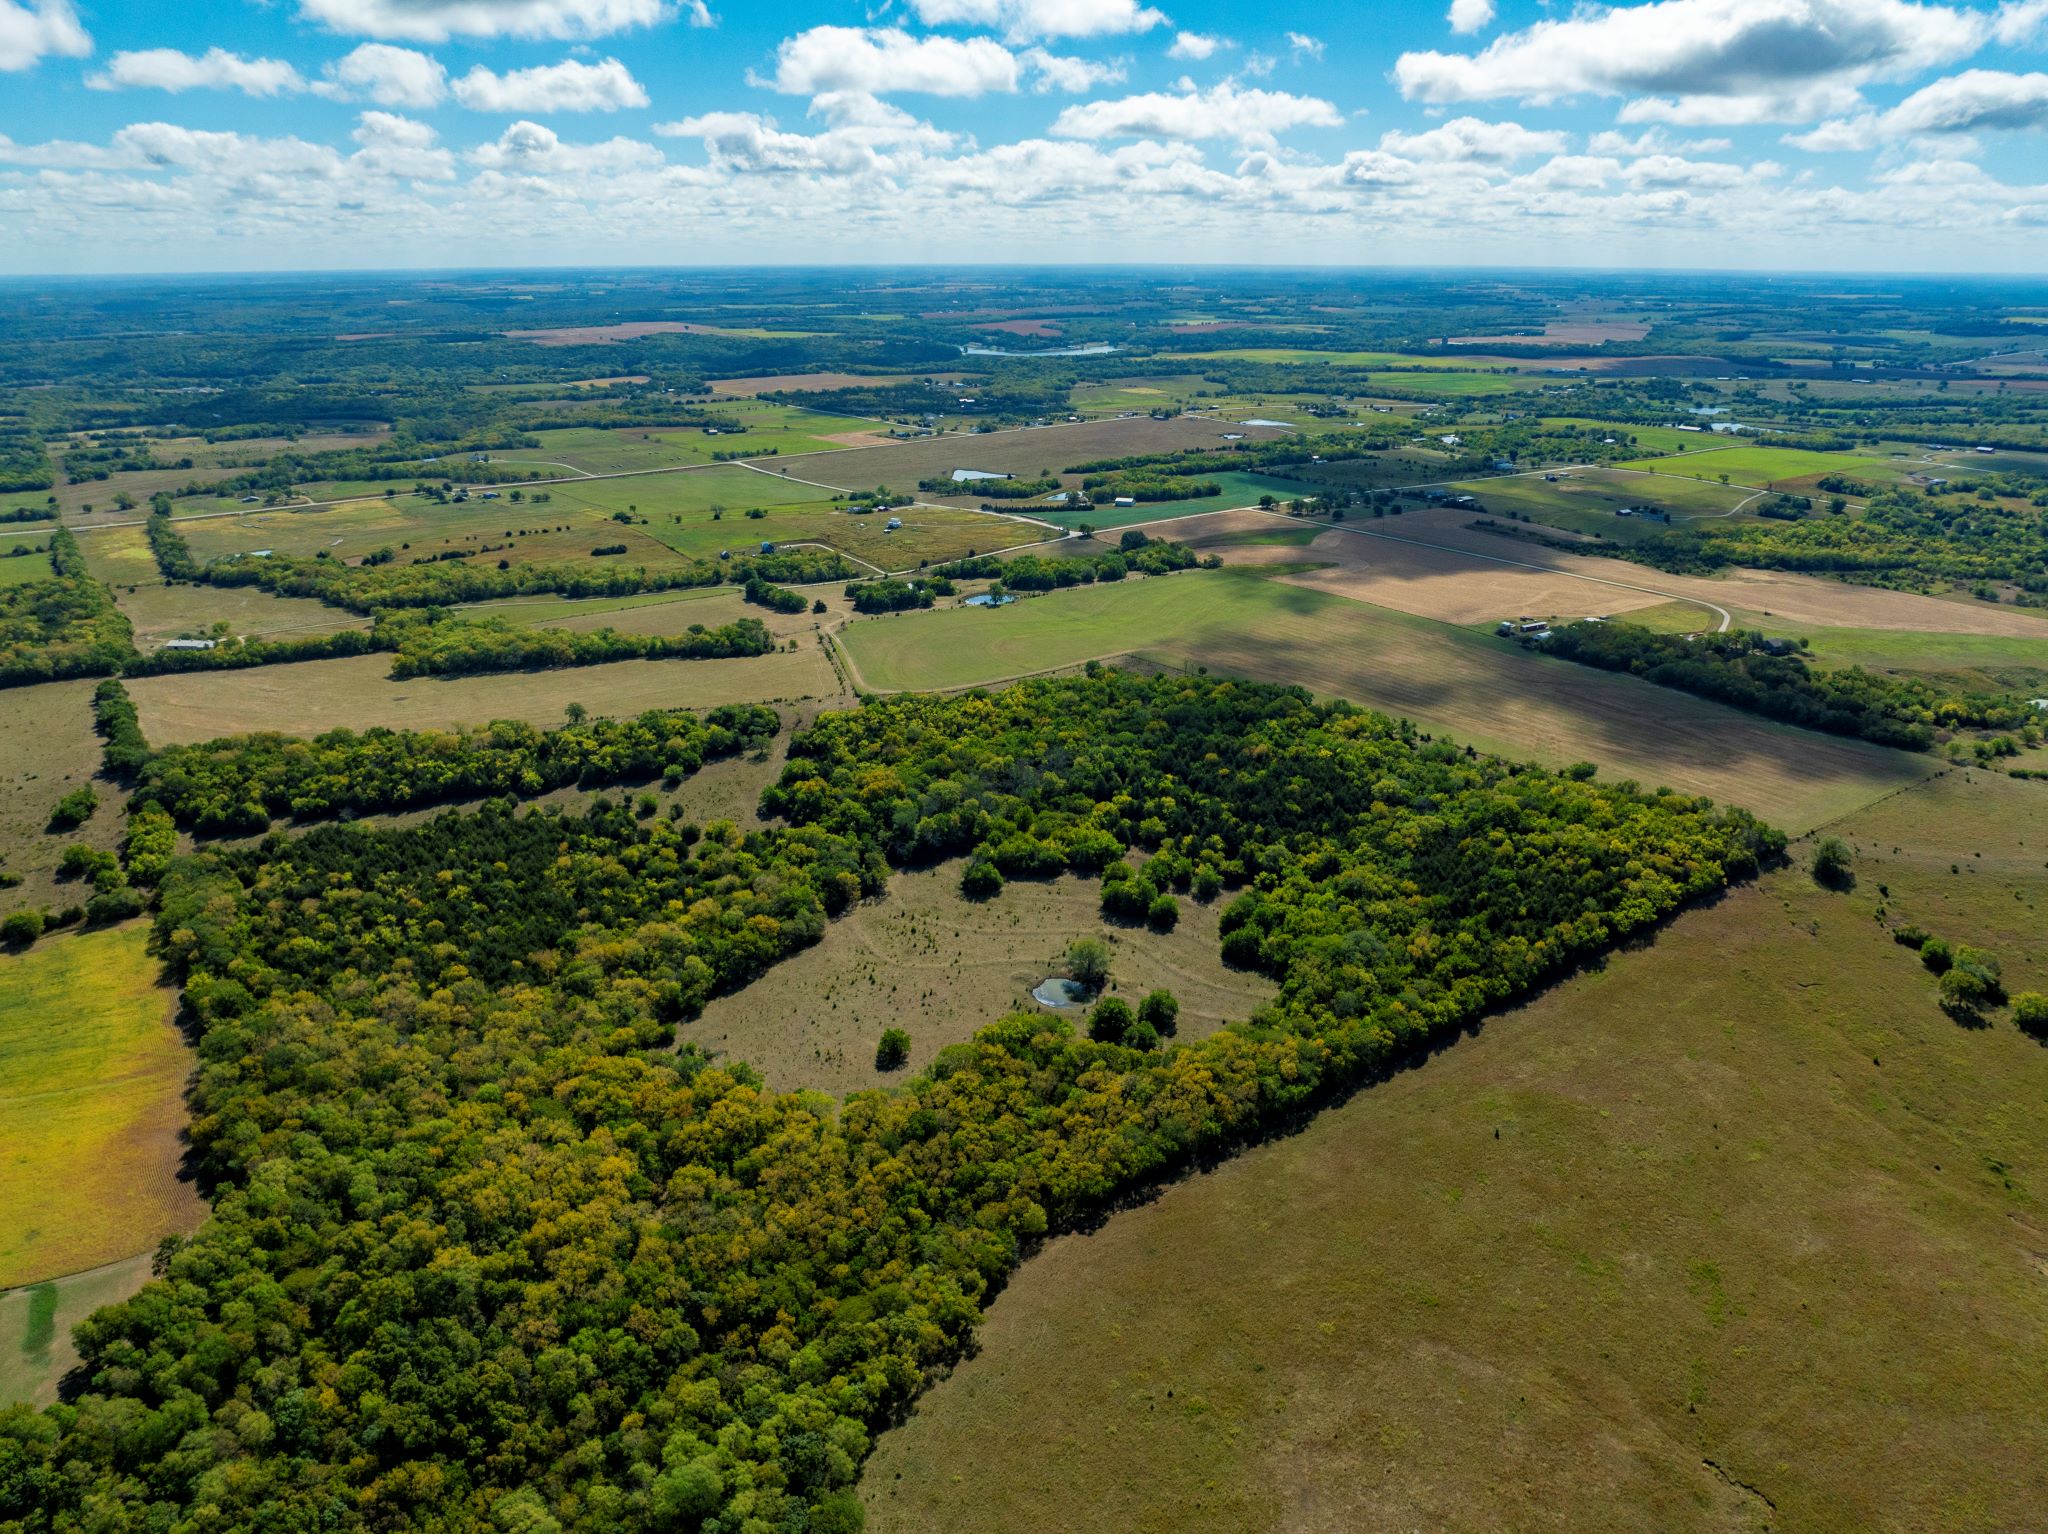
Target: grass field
{"x": 1025, "y": 451}
{"x": 92, "y": 1106}
{"x": 615, "y": 450}
{"x": 1476, "y": 688}
{"x": 1585, "y": 500}
{"x": 312, "y": 696}
{"x": 36, "y": 1322}
{"x": 1237, "y": 490}
{"x": 1757, "y": 466}
{"x": 1695, "y": 1243}
{"x": 47, "y": 749}
{"x": 563, "y": 529}
{"x": 925, "y": 959}
{"x": 18, "y": 568}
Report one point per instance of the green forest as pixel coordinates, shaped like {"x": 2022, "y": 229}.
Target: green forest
{"x": 487, "y": 1253}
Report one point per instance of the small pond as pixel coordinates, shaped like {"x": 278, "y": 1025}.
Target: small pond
{"x": 990, "y": 599}
{"x": 1059, "y": 992}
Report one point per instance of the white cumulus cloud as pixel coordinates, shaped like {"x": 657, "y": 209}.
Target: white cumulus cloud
{"x": 1251, "y": 117}
{"x": 30, "y": 33}
{"x": 1976, "y": 99}
{"x": 877, "y": 61}
{"x": 1471, "y": 15}
{"x": 1196, "y": 45}
{"x": 1700, "y": 61}
{"x": 435, "y": 21}
{"x": 1025, "y": 21}
{"x": 570, "y": 86}
{"x": 167, "y": 69}
{"x": 1303, "y": 46}
{"x": 1059, "y": 72}
{"x": 1470, "y": 140}
{"x": 389, "y": 76}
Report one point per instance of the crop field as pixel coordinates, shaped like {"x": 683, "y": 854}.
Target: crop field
{"x": 1368, "y": 562}
{"x": 1656, "y": 439}
{"x": 308, "y": 697}
{"x": 1691, "y": 1243}
{"x": 926, "y": 959}
{"x": 1237, "y": 490}
{"x": 1145, "y": 392}
{"x": 1473, "y": 687}
{"x": 47, "y": 749}
{"x": 1025, "y": 451}
{"x": 91, "y": 1105}
{"x": 1758, "y": 467}
{"x": 1998, "y": 662}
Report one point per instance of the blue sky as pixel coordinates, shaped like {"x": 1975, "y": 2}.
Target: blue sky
{"x": 215, "y": 135}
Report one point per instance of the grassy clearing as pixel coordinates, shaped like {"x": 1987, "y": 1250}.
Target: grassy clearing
{"x": 1473, "y": 687}
{"x": 92, "y": 1073}
{"x": 416, "y": 528}
{"x": 619, "y": 450}
{"x": 1237, "y": 490}
{"x": 1725, "y": 1222}
{"x": 1586, "y": 500}
{"x": 1449, "y": 383}
{"x": 311, "y": 696}
{"x": 18, "y": 568}
{"x": 1757, "y": 466}
{"x": 36, "y": 1321}
{"x": 925, "y": 959}
{"x": 47, "y": 749}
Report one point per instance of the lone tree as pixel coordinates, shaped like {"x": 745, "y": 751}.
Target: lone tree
{"x": 1831, "y": 864}
{"x": 1088, "y": 963}
{"x": 893, "y": 1051}
{"x": 577, "y": 713}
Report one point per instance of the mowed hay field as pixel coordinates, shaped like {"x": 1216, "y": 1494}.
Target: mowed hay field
{"x": 1436, "y": 564}
{"x": 1740, "y": 1233}
{"x": 1022, "y": 451}
{"x": 926, "y": 959}
{"x": 309, "y": 697}
{"x": 1476, "y": 688}
{"x": 92, "y": 1075}
{"x": 159, "y": 610}
{"x": 47, "y": 749}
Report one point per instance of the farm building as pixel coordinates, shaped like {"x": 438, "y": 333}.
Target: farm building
{"x": 189, "y": 644}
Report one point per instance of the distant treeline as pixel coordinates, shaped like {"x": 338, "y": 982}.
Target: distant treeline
{"x": 240, "y": 784}
{"x": 1738, "y": 669}
{"x": 475, "y": 646}
{"x": 66, "y": 626}
{"x": 1033, "y": 572}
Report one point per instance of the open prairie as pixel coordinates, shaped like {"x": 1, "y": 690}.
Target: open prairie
{"x": 1479, "y": 689}
{"x": 1695, "y": 1243}
{"x": 47, "y": 749}
{"x": 1418, "y": 561}
{"x": 1023, "y": 450}
{"x": 91, "y": 1105}
{"x": 308, "y": 697}
{"x": 926, "y": 959}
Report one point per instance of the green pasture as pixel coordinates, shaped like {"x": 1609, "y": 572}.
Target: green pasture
{"x": 1758, "y": 467}
{"x": 17, "y": 568}
{"x": 1238, "y": 490}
